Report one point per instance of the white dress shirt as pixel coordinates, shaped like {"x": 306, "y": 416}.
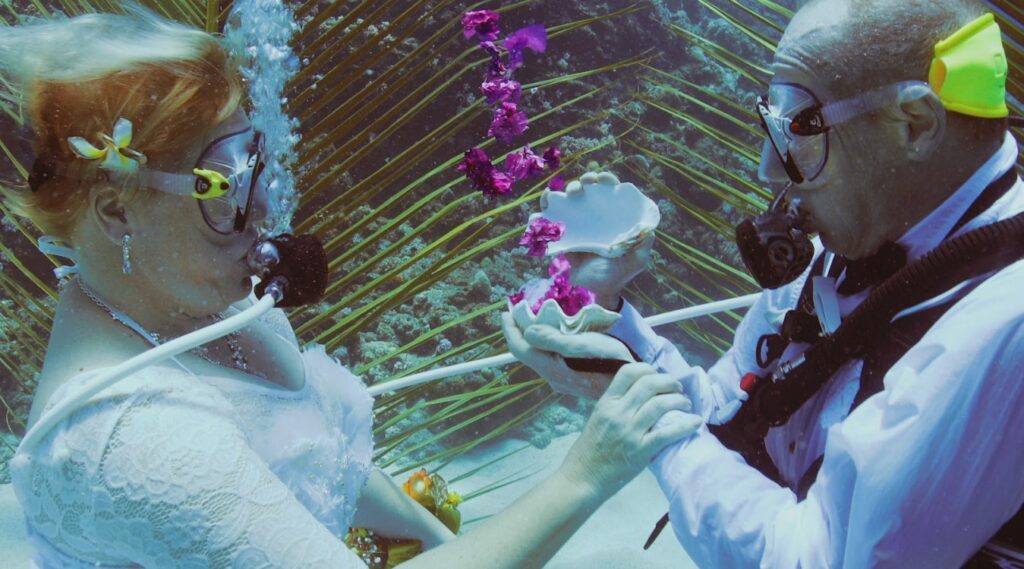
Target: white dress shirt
{"x": 919, "y": 475}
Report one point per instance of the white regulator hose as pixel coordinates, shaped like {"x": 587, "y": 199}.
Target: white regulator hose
{"x": 505, "y": 359}
{"x": 82, "y": 391}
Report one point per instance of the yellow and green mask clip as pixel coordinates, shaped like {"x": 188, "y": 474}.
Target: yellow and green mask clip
{"x": 970, "y": 68}
{"x": 210, "y": 184}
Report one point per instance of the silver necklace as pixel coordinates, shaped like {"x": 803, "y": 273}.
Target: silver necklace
{"x": 238, "y": 360}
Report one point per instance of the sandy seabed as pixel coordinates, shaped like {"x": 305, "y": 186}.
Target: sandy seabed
{"x": 612, "y": 538}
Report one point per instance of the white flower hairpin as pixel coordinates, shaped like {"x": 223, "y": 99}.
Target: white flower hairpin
{"x": 115, "y": 154}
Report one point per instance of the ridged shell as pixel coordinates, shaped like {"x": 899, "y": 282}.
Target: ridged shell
{"x": 601, "y": 215}
{"x": 591, "y": 318}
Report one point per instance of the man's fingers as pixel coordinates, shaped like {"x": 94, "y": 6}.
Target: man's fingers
{"x": 626, "y": 377}
{"x": 517, "y": 344}
{"x": 674, "y": 426}
{"x": 585, "y": 345}
{"x": 649, "y": 386}
{"x": 551, "y": 339}
{"x": 658, "y": 405}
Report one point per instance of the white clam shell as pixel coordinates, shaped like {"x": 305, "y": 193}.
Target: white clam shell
{"x": 601, "y": 216}
{"x": 591, "y": 318}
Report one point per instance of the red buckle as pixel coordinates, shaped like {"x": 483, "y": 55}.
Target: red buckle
{"x": 749, "y": 381}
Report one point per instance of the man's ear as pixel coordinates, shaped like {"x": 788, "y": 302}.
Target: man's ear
{"x": 922, "y": 126}
{"x": 109, "y": 212}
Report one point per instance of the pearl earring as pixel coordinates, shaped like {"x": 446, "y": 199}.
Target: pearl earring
{"x": 126, "y": 254}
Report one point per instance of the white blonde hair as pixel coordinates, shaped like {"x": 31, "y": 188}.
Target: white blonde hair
{"x": 77, "y": 76}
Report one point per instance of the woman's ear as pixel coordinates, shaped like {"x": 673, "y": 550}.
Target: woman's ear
{"x": 922, "y": 126}
{"x": 109, "y": 212}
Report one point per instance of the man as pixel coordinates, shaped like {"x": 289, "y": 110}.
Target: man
{"x": 900, "y": 449}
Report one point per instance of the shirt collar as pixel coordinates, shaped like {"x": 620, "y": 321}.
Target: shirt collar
{"x": 935, "y": 227}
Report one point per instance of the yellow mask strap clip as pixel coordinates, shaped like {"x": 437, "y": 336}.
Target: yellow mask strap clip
{"x": 210, "y": 184}
{"x": 969, "y": 70}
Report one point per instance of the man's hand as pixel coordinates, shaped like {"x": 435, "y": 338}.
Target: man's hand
{"x": 544, "y": 349}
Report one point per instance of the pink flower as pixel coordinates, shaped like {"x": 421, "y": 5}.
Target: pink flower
{"x": 508, "y": 122}
{"x": 559, "y": 266}
{"x": 482, "y": 23}
{"x": 553, "y": 157}
{"x": 539, "y": 233}
{"x": 533, "y": 37}
{"x": 557, "y": 184}
{"x": 524, "y": 164}
{"x": 500, "y": 90}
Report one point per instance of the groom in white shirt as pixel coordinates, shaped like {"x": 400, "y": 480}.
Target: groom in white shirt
{"x": 887, "y": 121}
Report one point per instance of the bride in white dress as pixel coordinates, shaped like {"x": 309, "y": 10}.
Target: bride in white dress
{"x": 247, "y": 452}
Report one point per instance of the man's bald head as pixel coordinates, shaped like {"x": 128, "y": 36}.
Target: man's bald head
{"x": 887, "y": 169}
{"x": 853, "y": 46}
{"x": 862, "y": 44}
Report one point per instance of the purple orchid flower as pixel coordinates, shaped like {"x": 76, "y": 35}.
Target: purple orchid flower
{"x": 485, "y": 177}
{"x": 524, "y": 164}
{"x": 477, "y": 167}
{"x": 556, "y": 184}
{"x": 497, "y": 70}
{"x": 501, "y": 90}
{"x": 574, "y": 300}
{"x": 539, "y": 233}
{"x": 553, "y": 158}
{"x": 570, "y": 298}
{"x": 533, "y": 37}
{"x": 481, "y": 23}
{"x": 508, "y": 122}
{"x": 500, "y": 183}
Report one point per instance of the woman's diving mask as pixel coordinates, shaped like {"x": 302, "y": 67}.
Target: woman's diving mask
{"x": 226, "y": 181}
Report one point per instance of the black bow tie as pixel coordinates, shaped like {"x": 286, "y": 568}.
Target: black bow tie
{"x": 872, "y": 270}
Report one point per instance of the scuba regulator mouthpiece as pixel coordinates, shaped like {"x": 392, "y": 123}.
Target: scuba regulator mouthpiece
{"x": 775, "y": 245}
{"x": 292, "y": 269}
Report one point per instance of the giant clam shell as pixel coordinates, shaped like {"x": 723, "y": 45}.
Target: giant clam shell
{"x": 601, "y": 216}
{"x": 591, "y": 318}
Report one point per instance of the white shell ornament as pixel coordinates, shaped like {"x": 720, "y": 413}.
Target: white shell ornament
{"x": 601, "y": 216}
{"x": 591, "y": 318}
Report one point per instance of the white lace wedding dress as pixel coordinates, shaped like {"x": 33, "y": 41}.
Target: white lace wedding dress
{"x": 167, "y": 469}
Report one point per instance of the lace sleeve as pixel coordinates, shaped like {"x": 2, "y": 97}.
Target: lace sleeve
{"x": 182, "y": 488}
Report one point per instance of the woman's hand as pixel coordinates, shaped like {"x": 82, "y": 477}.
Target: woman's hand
{"x": 626, "y": 430}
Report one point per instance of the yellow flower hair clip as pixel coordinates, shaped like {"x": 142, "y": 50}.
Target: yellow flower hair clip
{"x": 115, "y": 154}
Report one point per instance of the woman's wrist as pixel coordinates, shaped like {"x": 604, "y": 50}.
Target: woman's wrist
{"x": 581, "y": 487}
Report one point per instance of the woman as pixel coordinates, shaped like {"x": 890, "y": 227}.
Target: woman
{"x": 246, "y": 452}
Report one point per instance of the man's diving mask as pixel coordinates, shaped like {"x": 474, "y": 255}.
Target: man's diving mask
{"x": 798, "y": 126}
{"x": 968, "y": 74}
